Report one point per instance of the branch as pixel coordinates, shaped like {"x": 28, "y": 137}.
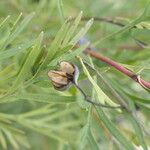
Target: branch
{"x": 115, "y": 22}
{"x": 108, "y": 20}
{"x": 119, "y": 67}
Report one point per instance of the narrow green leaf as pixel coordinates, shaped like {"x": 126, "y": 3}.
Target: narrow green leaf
{"x": 101, "y": 95}
{"x": 63, "y": 51}
{"x": 17, "y": 30}
{"x": 20, "y": 28}
{"x": 22, "y": 140}
{"x": 41, "y": 6}
{"x": 56, "y": 44}
{"x": 4, "y": 21}
{"x": 138, "y": 131}
{"x": 114, "y": 131}
{"x": 82, "y": 32}
{"x": 146, "y": 10}
{"x": 93, "y": 143}
{"x": 44, "y": 132}
{"x": 28, "y": 63}
{"x": 72, "y": 29}
{"x": 6, "y": 70}
{"x": 60, "y": 8}
{"x": 84, "y": 137}
{"x": 60, "y": 114}
{"x": 70, "y": 55}
{"x": 40, "y": 111}
{"x": 46, "y": 98}
{"x": 3, "y": 141}
{"x": 11, "y": 139}
{"x": 8, "y": 99}
{"x": 59, "y": 54}
{"x": 137, "y": 99}
{"x": 15, "y": 50}
{"x": 137, "y": 125}
{"x": 99, "y": 129}
{"x": 16, "y": 22}
{"x": 143, "y": 25}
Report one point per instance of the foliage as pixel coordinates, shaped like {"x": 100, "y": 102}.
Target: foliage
{"x": 36, "y": 116}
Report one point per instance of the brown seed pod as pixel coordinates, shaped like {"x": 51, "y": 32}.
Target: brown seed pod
{"x": 65, "y": 76}
{"x": 59, "y": 79}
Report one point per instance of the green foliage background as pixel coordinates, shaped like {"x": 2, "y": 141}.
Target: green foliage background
{"x": 34, "y": 38}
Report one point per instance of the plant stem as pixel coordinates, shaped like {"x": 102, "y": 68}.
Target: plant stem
{"x": 88, "y": 99}
{"x": 119, "y": 67}
{"x": 115, "y": 22}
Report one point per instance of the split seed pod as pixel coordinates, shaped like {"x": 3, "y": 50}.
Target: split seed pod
{"x": 67, "y": 74}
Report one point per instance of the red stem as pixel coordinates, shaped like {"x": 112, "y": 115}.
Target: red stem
{"x": 119, "y": 67}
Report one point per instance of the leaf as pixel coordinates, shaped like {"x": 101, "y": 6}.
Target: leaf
{"x": 22, "y": 140}
{"x": 4, "y": 21}
{"x": 8, "y": 99}
{"x": 137, "y": 99}
{"x": 56, "y": 44}
{"x": 63, "y": 51}
{"x": 72, "y": 29}
{"x": 60, "y": 8}
{"x": 82, "y": 32}
{"x": 46, "y": 110}
{"x": 16, "y": 22}
{"x": 3, "y": 141}
{"x": 138, "y": 131}
{"x": 137, "y": 125}
{"x": 93, "y": 143}
{"x": 20, "y": 28}
{"x": 11, "y": 139}
{"x": 15, "y": 50}
{"x": 70, "y": 55}
{"x": 113, "y": 130}
{"x": 101, "y": 95}
{"x": 12, "y": 135}
{"x": 83, "y": 137}
{"x": 61, "y": 114}
{"x": 28, "y": 63}
{"x": 143, "y": 25}
{"x": 46, "y": 98}
{"x": 6, "y": 70}
{"x": 58, "y": 55}
{"x": 99, "y": 129}
{"x": 86, "y": 137}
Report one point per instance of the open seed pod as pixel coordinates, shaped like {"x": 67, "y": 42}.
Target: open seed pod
{"x": 67, "y": 74}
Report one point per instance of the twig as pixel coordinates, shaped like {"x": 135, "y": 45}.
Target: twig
{"x": 119, "y": 67}
{"x": 114, "y": 22}
{"x": 88, "y": 99}
{"x": 108, "y": 20}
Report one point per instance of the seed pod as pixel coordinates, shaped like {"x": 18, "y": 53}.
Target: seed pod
{"x": 67, "y": 67}
{"x": 71, "y": 70}
{"x": 59, "y": 79}
{"x": 67, "y": 74}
